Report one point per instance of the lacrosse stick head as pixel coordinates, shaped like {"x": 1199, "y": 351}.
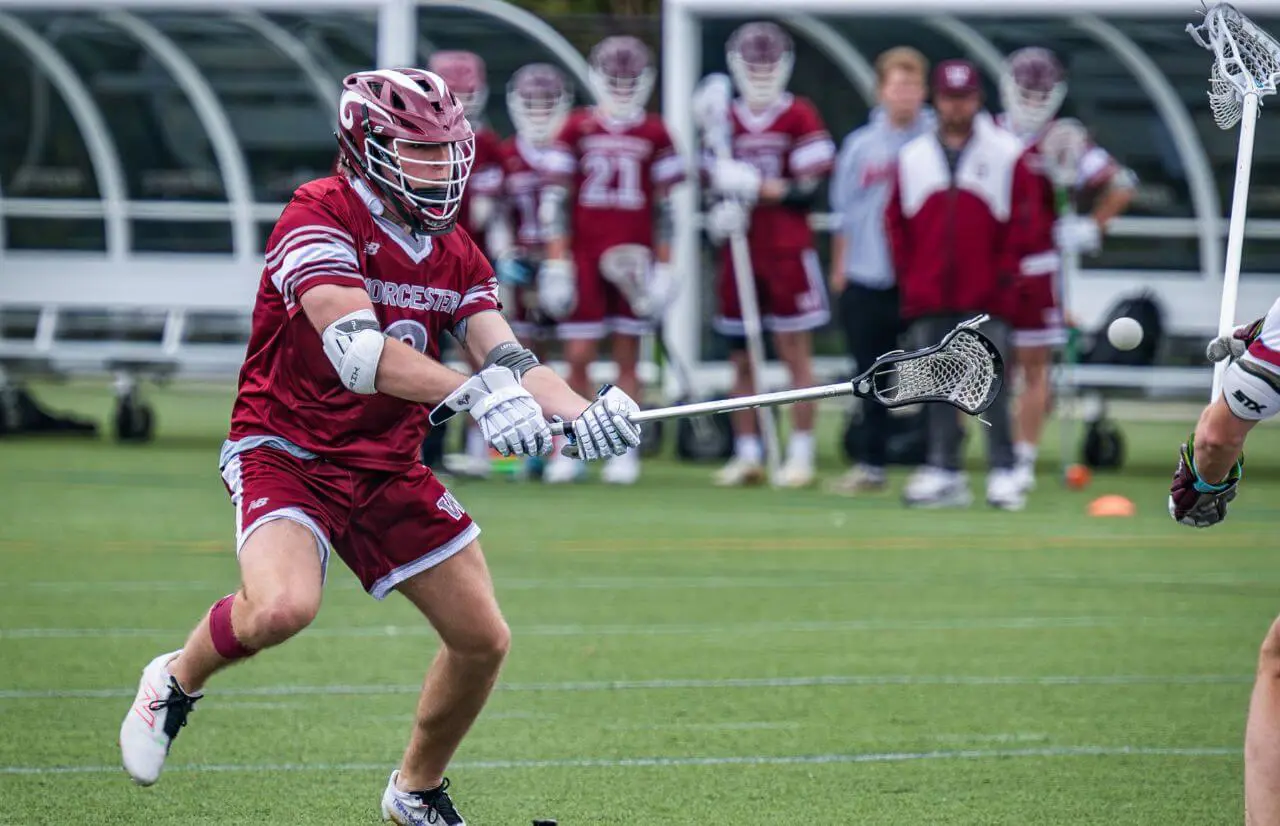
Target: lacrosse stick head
{"x": 964, "y": 370}
{"x": 1062, "y": 146}
{"x": 711, "y": 100}
{"x": 629, "y": 267}
{"x": 1246, "y": 60}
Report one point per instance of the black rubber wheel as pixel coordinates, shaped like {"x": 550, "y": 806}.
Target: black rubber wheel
{"x": 1103, "y": 447}
{"x": 135, "y": 420}
{"x": 704, "y": 438}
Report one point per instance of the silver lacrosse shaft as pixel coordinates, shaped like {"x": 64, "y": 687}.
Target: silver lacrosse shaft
{"x": 709, "y": 408}
{"x": 1235, "y": 231}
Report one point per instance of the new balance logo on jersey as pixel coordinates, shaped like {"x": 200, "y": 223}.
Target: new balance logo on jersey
{"x": 1248, "y": 403}
{"x": 372, "y": 247}
{"x": 412, "y": 296}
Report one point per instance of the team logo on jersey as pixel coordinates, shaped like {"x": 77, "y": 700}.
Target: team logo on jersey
{"x": 372, "y": 247}
{"x": 450, "y": 506}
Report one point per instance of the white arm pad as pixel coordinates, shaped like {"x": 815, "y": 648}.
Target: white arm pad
{"x": 1252, "y": 389}
{"x": 354, "y": 345}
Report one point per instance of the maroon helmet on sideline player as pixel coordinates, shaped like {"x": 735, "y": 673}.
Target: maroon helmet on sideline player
{"x": 538, "y": 99}
{"x": 622, "y": 76}
{"x": 385, "y": 111}
{"x": 466, "y": 76}
{"x": 760, "y": 57}
{"x": 1032, "y": 89}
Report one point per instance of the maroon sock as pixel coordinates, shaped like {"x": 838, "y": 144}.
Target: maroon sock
{"x": 224, "y": 637}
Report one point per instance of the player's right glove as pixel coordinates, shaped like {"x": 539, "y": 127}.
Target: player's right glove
{"x": 510, "y": 420}
{"x": 604, "y": 429}
{"x": 726, "y": 218}
{"x": 1194, "y": 502}
{"x": 735, "y": 179}
{"x": 1233, "y": 346}
{"x": 557, "y": 288}
{"x": 1077, "y": 233}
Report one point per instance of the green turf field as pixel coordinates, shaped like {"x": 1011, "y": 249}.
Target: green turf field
{"x": 682, "y": 655}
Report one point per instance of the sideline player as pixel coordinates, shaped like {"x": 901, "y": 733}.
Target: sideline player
{"x": 781, "y": 153}
{"x": 1210, "y": 466}
{"x": 363, "y": 277}
{"x": 1032, "y": 90}
{"x": 617, "y": 164}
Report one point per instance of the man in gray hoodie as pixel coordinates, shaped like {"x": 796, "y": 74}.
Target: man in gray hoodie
{"x": 861, "y": 268}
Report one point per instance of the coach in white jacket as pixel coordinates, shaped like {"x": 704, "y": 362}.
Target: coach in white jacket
{"x": 862, "y": 276}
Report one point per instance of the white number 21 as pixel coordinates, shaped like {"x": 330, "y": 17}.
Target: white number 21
{"x": 611, "y": 181}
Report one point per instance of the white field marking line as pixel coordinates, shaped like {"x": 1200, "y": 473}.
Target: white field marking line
{"x": 665, "y": 762}
{"x": 691, "y": 629}
{"x": 869, "y": 680}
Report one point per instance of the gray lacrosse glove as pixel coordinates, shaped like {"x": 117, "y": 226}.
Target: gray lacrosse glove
{"x": 509, "y": 418}
{"x": 604, "y": 429}
{"x": 1233, "y": 346}
{"x": 1194, "y": 502}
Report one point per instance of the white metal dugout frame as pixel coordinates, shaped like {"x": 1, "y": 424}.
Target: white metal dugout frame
{"x": 1190, "y": 301}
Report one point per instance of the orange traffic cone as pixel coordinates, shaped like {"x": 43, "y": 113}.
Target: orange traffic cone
{"x": 1112, "y": 505}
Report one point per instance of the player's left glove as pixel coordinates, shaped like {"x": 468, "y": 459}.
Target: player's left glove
{"x": 1195, "y": 502}
{"x": 510, "y": 420}
{"x": 725, "y": 219}
{"x": 604, "y": 429}
{"x": 735, "y": 179}
{"x": 1233, "y": 346}
{"x": 1077, "y": 233}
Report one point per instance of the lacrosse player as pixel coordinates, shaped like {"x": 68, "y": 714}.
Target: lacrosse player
{"x": 364, "y": 276}
{"x": 1032, "y": 90}
{"x": 1210, "y": 467}
{"x": 607, "y": 260}
{"x": 781, "y": 154}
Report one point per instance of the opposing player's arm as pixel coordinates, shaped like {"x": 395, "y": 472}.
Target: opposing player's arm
{"x": 366, "y": 360}
{"x": 487, "y": 339}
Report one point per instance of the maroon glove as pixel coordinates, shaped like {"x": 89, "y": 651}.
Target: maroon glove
{"x": 1195, "y": 502}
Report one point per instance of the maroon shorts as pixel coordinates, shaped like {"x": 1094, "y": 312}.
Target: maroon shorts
{"x": 789, "y": 288}
{"x": 601, "y": 307}
{"x": 386, "y": 526}
{"x": 1037, "y": 319}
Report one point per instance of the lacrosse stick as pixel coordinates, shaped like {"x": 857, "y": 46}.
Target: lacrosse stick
{"x": 1245, "y": 70}
{"x": 964, "y": 370}
{"x": 1062, "y": 147}
{"x": 713, "y": 96}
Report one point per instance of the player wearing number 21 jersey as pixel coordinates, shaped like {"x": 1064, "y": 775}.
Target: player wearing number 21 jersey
{"x": 364, "y": 274}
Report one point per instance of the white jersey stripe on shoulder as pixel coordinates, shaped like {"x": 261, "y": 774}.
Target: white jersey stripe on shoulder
{"x": 292, "y": 286}
{"x": 814, "y": 154}
{"x": 667, "y": 169}
{"x": 281, "y": 250}
{"x": 324, "y": 229}
{"x": 300, "y": 257}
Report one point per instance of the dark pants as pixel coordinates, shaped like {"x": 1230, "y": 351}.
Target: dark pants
{"x": 946, "y": 430}
{"x": 871, "y": 328}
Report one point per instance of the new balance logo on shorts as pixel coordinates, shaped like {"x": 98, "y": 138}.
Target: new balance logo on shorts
{"x": 1249, "y": 404}
{"x": 257, "y": 503}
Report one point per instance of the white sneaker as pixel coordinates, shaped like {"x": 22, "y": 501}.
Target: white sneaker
{"x": 466, "y": 466}
{"x": 1025, "y": 474}
{"x": 621, "y": 470}
{"x": 1005, "y": 490}
{"x": 739, "y": 473}
{"x": 931, "y": 487}
{"x": 858, "y": 480}
{"x": 796, "y": 473}
{"x": 426, "y": 808}
{"x": 562, "y": 470}
{"x": 158, "y": 713}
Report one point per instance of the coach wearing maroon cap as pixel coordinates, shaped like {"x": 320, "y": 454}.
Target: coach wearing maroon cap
{"x": 959, "y": 210}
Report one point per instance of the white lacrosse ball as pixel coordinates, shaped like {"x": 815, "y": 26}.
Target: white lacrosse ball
{"x": 1124, "y": 333}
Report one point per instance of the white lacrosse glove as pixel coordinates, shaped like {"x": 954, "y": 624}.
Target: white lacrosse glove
{"x": 604, "y": 429}
{"x": 1077, "y": 233}
{"x": 557, "y": 288}
{"x": 1235, "y": 345}
{"x": 735, "y": 179}
{"x": 725, "y": 219}
{"x": 510, "y": 420}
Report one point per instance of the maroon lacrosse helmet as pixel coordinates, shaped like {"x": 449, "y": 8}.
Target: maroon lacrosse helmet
{"x": 465, "y": 74}
{"x": 538, "y": 99}
{"x": 622, "y": 76}
{"x": 761, "y": 57}
{"x": 1032, "y": 88}
{"x": 384, "y": 114}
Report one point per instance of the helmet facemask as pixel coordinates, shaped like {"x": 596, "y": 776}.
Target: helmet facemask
{"x": 424, "y": 181}
{"x": 538, "y": 106}
{"x": 622, "y": 97}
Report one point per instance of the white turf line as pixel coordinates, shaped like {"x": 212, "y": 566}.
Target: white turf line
{"x": 658, "y": 630}
{"x": 663, "y": 762}
{"x": 661, "y": 684}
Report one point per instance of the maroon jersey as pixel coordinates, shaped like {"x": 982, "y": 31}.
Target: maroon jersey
{"x": 486, "y": 177}
{"x": 786, "y": 141}
{"x": 614, "y": 169}
{"x": 522, "y": 180}
{"x": 421, "y": 288}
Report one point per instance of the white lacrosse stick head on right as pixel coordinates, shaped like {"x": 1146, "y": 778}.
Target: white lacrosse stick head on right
{"x": 711, "y": 101}
{"x": 1246, "y": 60}
{"x": 1062, "y": 147}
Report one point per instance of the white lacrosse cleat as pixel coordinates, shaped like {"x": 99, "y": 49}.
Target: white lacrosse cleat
{"x": 621, "y": 470}
{"x": 931, "y": 487}
{"x": 158, "y": 713}
{"x": 859, "y": 479}
{"x": 1005, "y": 490}
{"x": 738, "y": 473}
{"x": 797, "y": 472}
{"x": 562, "y": 470}
{"x": 1025, "y": 474}
{"x": 431, "y": 807}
